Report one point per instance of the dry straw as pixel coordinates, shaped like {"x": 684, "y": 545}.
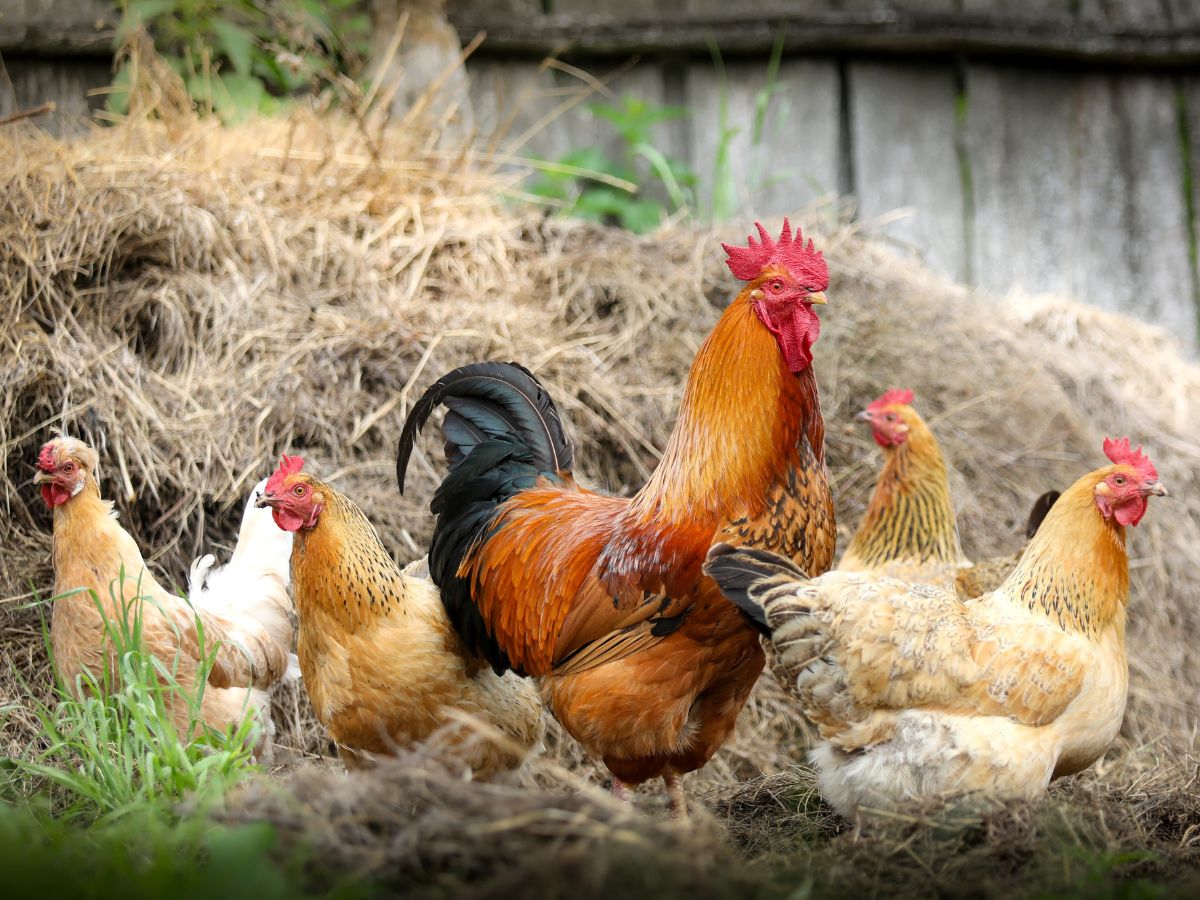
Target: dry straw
{"x": 195, "y": 300}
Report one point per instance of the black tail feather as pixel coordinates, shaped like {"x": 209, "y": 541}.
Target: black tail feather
{"x": 1037, "y": 515}
{"x": 502, "y": 431}
{"x": 490, "y": 400}
{"x": 740, "y": 571}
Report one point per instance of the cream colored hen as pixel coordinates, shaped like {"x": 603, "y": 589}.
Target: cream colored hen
{"x": 918, "y": 695}
{"x": 243, "y": 608}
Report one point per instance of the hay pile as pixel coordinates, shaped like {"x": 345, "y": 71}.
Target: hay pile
{"x": 193, "y": 300}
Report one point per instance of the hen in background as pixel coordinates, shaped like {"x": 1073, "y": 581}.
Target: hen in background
{"x": 918, "y": 695}
{"x": 910, "y": 530}
{"x": 243, "y": 608}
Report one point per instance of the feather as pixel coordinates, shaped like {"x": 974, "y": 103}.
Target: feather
{"x": 742, "y": 575}
{"x": 1041, "y": 508}
{"x": 496, "y": 400}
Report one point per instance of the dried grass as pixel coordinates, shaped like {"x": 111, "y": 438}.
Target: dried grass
{"x": 194, "y": 300}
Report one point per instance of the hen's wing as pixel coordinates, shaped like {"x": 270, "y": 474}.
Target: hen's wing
{"x": 857, "y": 644}
{"x": 550, "y": 578}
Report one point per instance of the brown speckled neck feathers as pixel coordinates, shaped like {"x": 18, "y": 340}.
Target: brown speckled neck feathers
{"x": 341, "y": 566}
{"x": 1075, "y": 569}
{"x": 910, "y": 516}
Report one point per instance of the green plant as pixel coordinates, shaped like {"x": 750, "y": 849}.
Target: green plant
{"x": 116, "y": 804}
{"x": 145, "y": 856}
{"x": 723, "y": 201}
{"x": 111, "y": 742}
{"x": 237, "y": 57}
{"x": 592, "y": 184}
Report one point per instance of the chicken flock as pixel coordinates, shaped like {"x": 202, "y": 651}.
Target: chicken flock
{"x": 640, "y": 622}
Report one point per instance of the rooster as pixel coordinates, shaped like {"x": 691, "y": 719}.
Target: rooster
{"x": 918, "y": 695}
{"x": 602, "y": 598}
{"x": 909, "y": 530}
{"x": 382, "y": 665}
{"x": 242, "y": 609}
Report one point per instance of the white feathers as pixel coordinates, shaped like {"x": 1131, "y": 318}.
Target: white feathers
{"x": 263, "y": 555}
{"x": 251, "y": 590}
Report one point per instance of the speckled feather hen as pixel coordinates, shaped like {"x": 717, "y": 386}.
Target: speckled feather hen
{"x": 920, "y": 696}
{"x": 909, "y": 530}
{"x": 243, "y": 607}
{"x": 602, "y": 598}
{"x": 381, "y": 663}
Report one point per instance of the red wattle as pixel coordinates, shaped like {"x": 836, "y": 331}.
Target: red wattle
{"x": 1127, "y": 512}
{"x": 795, "y": 326}
{"x": 55, "y": 494}
{"x": 1131, "y": 511}
{"x": 286, "y": 520}
{"x": 887, "y": 440}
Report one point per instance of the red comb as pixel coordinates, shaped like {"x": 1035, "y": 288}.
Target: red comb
{"x": 288, "y": 465}
{"x": 1120, "y": 453}
{"x": 46, "y": 460}
{"x": 890, "y": 396}
{"x": 804, "y": 263}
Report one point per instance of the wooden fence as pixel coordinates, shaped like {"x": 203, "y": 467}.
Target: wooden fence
{"x": 1045, "y": 145}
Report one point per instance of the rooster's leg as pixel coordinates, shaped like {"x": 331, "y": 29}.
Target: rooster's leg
{"x": 620, "y": 790}
{"x": 679, "y": 810}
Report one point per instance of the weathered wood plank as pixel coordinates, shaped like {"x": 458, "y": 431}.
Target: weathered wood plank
{"x": 550, "y": 107}
{"x": 1018, "y": 148}
{"x": 903, "y": 132}
{"x": 1189, "y": 145}
{"x": 58, "y": 26}
{"x": 1079, "y": 189}
{"x": 66, "y": 84}
{"x": 1030, "y": 31}
{"x": 788, "y": 162}
{"x": 518, "y": 100}
{"x": 1154, "y": 228}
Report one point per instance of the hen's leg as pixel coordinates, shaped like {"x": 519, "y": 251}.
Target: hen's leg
{"x": 679, "y": 810}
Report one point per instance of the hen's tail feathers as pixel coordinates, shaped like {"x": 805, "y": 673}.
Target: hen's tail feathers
{"x": 746, "y": 577}
{"x": 1037, "y": 515}
{"x": 246, "y": 600}
{"x": 488, "y": 401}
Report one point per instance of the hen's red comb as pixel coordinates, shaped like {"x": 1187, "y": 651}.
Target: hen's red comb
{"x": 804, "y": 263}
{"x": 890, "y": 396}
{"x": 1120, "y": 453}
{"x": 46, "y": 461}
{"x": 288, "y": 465}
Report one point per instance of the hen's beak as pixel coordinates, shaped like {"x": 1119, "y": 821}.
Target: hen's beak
{"x": 41, "y": 477}
{"x": 1156, "y": 489}
{"x": 264, "y": 501}
{"x": 817, "y": 299}
{"x": 863, "y": 416}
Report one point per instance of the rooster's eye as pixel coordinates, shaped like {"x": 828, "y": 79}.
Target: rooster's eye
{"x": 777, "y": 286}
{"x": 298, "y": 490}
{"x": 891, "y": 417}
{"x": 1119, "y": 480}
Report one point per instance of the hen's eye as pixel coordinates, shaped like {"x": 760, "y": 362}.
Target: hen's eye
{"x": 69, "y": 467}
{"x": 298, "y": 490}
{"x": 1120, "y": 479}
{"x": 891, "y": 417}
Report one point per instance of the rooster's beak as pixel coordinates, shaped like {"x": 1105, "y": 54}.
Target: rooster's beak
{"x": 817, "y": 299}
{"x": 264, "y": 501}
{"x": 1156, "y": 489}
{"x": 863, "y": 416}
